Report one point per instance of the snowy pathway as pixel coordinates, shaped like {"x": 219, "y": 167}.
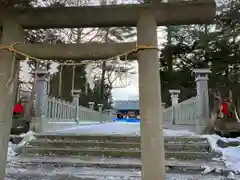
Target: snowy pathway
{"x": 118, "y": 128}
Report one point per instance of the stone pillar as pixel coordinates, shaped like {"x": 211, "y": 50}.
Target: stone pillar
{"x": 76, "y": 96}
{"x": 100, "y": 107}
{"x": 41, "y": 92}
{"x": 174, "y": 96}
{"x": 201, "y": 78}
{"x": 91, "y": 105}
{"x": 9, "y": 68}
{"x": 162, "y": 109}
{"x": 151, "y": 124}
{"x": 163, "y": 105}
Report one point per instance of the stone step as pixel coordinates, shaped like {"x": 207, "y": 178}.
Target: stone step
{"x": 198, "y": 146}
{"x": 45, "y": 162}
{"x": 42, "y": 151}
{"x": 115, "y": 138}
{"x": 104, "y": 175}
{"x": 34, "y": 168}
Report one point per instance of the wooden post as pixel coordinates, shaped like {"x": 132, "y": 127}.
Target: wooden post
{"x": 152, "y": 140}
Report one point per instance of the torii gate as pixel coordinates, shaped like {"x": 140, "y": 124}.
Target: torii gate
{"x": 146, "y": 17}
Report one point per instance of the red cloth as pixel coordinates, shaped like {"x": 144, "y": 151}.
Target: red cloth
{"x": 225, "y": 109}
{"x": 18, "y": 108}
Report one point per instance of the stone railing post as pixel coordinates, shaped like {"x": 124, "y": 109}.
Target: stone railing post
{"x": 41, "y": 92}
{"x": 163, "y": 105}
{"x": 41, "y": 105}
{"x": 174, "y": 96}
{"x": 100, "y": 109}
{"x": 201, "y": 78}
{"x": 91, "y": 105}
{"x": 76, "y": 97}
{"x": 174, "y": 99}
{"x": 162, "y": 109}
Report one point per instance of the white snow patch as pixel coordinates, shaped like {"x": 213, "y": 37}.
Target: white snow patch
{"x": 230, "y": 155}
{"x": 207, "y": 169}
{"x": 80, "y": 123}
{"x": 11, "y": 151}
{"x": 26, "y": 138}
{"x": 231, "y": 175}
{"x": 171, "y": 132}
{"x": 118, "y": 128}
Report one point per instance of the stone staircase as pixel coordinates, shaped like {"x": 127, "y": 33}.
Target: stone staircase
{"x": 182, "y": 148}
{"x": 183, "y": 154}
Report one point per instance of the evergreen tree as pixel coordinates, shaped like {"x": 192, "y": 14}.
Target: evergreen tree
{"x": 215, "y": 46}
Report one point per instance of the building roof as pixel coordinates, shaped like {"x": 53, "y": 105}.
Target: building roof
{"x": 126, "y": 104}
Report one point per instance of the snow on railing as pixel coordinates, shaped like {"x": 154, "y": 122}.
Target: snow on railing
{"x": 87, "y": 114}
{"x": 184, "y": 113}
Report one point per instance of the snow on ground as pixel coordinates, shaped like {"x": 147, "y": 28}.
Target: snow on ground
{"x": 171, "y": 132}
{"x": 13, "y": 149}
{"x": 230, "y": 155}
{"x": 118, "y": 128}
{"x": 93, "y": 174}
{"x": 74, "y": 123}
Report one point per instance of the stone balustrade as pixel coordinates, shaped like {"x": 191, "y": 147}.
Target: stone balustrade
{"x": 53, "y": 114}
{"x": 193, "y": 111}
{"x": 59, "y": 114}
{"x": 60, "y": 110}
{"x": 184, "y": 113}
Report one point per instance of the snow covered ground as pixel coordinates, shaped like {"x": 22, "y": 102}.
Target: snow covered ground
{"x": 230, "y": 155}
{"x": 93, "y": 174}
{"x": 117, "y": 128}
{"x": 13, "y": 148}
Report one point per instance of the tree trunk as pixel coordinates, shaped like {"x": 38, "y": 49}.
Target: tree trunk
{"x": 169, "y": 42}
{"x": 102, "y": 82}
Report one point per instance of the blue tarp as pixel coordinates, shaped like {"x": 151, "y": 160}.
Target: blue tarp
{"x": 128, "y": 120}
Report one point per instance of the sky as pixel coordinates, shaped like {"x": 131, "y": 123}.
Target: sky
{"x": 131, "y": 92}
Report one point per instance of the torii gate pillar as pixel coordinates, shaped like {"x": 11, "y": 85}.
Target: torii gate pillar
{"x": 152, "y": 141}
{"x": 9, "y": 69}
